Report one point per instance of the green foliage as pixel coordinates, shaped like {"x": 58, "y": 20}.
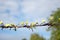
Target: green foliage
{"x": 55, "y": 35}
{"x": 36, "y": 37}
{"x": 24, "y": 39}
{"x": 56, "y": 19}
{"x": 55, "y": 30}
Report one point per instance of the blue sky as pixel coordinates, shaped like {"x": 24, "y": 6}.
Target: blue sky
{"x": 16, "y": 11}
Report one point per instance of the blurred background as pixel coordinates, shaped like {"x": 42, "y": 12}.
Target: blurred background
{"x": 17, "y": 11}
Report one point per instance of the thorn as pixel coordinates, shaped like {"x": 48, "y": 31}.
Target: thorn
{"x": 1, "y": 28}
{"x": 31, "y": 29}
{"x": 10, "y": 28}
{"x": 15, "y": 29}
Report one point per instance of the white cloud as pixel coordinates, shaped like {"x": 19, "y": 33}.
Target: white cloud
{"x": 39, "y": 8}
{"x": 31, "y": 9}
{"x": 12, "y": 7}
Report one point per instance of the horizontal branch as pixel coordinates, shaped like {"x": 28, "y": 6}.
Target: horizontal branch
{"x": 27, "y": 26}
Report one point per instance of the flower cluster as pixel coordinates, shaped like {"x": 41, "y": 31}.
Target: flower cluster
{"x": 32, "y": 25}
